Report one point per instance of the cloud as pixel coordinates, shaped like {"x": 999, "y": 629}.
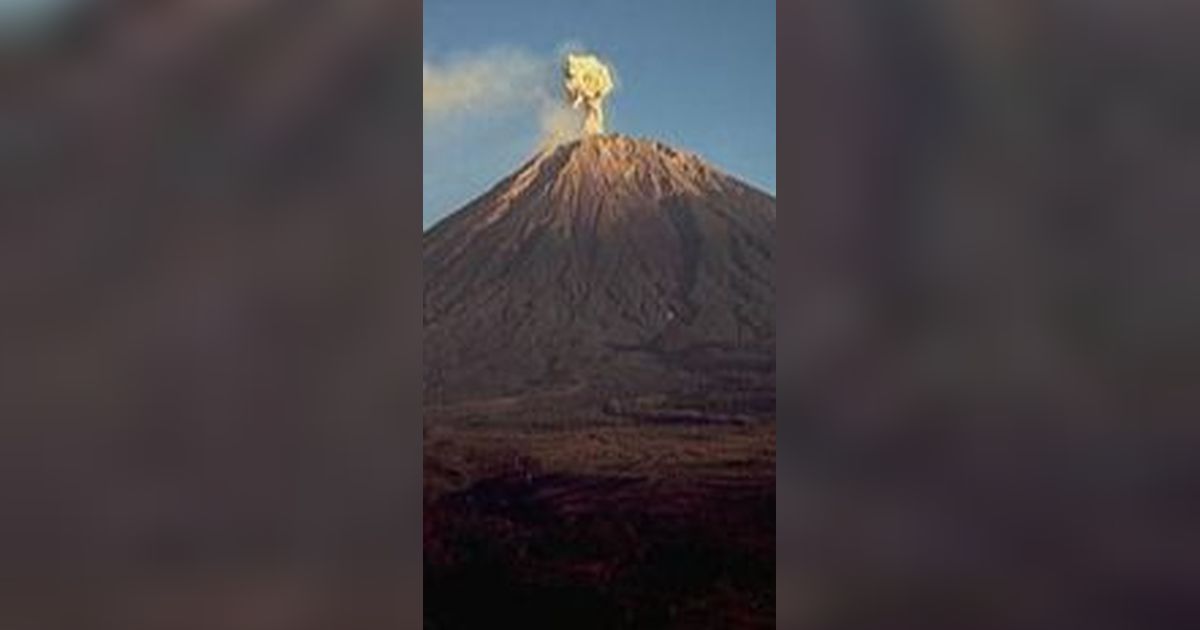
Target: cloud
{"x": 502, "y": 81}
{"x": 484, "y": 83}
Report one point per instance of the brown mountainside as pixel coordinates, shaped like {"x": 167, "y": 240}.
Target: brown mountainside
{"x": 605, "y": 267}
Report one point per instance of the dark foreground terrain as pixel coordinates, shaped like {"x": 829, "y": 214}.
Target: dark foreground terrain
{"x": 601, "y": 521}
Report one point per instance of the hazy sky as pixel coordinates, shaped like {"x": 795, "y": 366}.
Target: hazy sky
{"x": 20, "y": 19}
{"x": 700, "y": 75}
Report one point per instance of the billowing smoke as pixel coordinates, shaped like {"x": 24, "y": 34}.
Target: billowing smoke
{"x": 501, "y": 82}
{"x": 586, "y": 81}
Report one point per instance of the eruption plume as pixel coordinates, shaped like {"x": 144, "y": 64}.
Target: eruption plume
{"x": 586, "y": 81}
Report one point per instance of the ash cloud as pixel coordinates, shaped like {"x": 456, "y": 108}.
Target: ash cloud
{"x": 587, "y": 81}
{"x": 481, "y": 84}
{"x": 503, "y": 82}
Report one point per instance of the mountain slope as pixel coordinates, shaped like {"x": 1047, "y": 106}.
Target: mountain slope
{"x": 605, "y": 267}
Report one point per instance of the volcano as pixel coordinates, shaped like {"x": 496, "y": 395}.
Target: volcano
{"x": 600, "y": 396}
{"x": 606, "y": 269}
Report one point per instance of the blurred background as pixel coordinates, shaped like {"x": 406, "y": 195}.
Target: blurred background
{"x": 989, "y": 315}
{"x": 208, "y": 289}
{"x": 209, "y": 224}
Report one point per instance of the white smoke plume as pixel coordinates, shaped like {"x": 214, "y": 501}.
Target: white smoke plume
{"x": 506, "y": 81}
{"x": 559, "y": 123}
{"x": 481, "y": 84}
{"x": 587, "y": 81}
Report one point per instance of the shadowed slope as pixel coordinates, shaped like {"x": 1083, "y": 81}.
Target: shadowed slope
{"x": 602, "y": 267}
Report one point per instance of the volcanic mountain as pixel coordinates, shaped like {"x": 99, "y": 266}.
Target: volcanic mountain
{"x": 605, "y": 269}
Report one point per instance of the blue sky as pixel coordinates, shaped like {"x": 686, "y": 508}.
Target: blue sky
{"x": 697, "y": 74}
